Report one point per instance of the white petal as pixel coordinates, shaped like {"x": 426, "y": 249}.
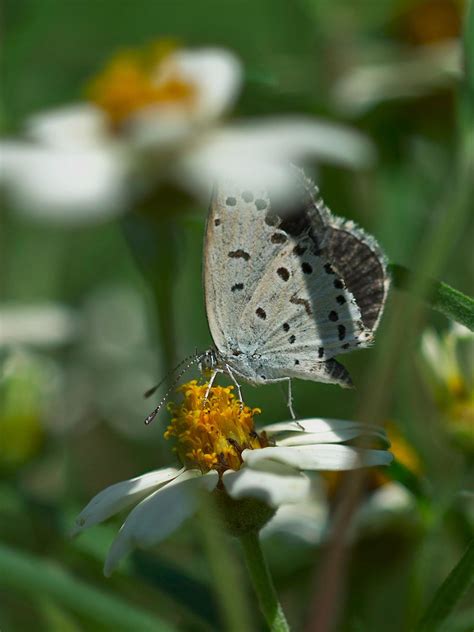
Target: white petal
{"x": 116, "y": 497}
{"x": 319, "y": 457}
{"x": 160, "y": 514}
{"x": 305, "y": 520}
{"x": 275, "y": 485}
{"x": 64, "y": 185}
{"x": 388, "y": 504}
{"x": 428, "y": 69}
{"x": 172, "y": 126}
{"x": 78, "y": 126}
{"x": 255, "y": 152}
{"x": 318, "y": 430}
{"x": 330, "y": 436}
{"x": 42, "y": 324}
{"x": 217, "y": 74}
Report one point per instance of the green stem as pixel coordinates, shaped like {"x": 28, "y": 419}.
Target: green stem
{"x": 263, "y": 583}
{"x": 440, "y": 296}
{"x": 450, "y": 592}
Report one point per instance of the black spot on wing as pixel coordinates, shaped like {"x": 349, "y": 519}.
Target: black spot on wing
{"x": 302, "y": 301}
{"x": 278, "y": 238}
{"x": 261, "y": 313}
{"x": 247, "y": 196}
{"x": 283, "y": 274}
{"x": 239, "y": 254}
{"x": 299, "y": 250}
{"x": 271, "y": 219}
{"x": 231, "y": 201}
{"x": 237, "y": 286}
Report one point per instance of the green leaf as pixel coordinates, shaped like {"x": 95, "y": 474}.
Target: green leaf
{"x": 35, "y": 575}
{"x": 450, "y": 592}
{"x": 439, "y": 296}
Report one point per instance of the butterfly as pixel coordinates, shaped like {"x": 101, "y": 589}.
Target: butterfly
{"x": 287, "y": 287}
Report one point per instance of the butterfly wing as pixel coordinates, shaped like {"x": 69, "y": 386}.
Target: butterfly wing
{"x": 321, "y": 296}
{"x": 300, "y": 315}
{"x": 237, "y": 248}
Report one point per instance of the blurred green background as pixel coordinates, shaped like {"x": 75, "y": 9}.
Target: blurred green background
{"x": 71, "y": 409}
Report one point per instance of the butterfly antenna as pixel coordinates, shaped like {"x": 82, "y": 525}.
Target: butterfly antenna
{"x": 153, "y": 389}
{"x": 194, "y": 360}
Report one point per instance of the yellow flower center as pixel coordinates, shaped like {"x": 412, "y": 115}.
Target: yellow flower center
{"x": 212, "y": 433}
{"x": 136, "y": 79}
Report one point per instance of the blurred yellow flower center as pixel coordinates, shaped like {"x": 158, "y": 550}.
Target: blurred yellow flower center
{"x": 212, "y": 433}
{"x": 136, "y": 79}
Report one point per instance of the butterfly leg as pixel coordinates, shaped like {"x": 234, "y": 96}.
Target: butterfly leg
{"x": 290, "y": 400}
{"x": 211, "y": 382}
{"x": 290, "y": 404}
{"x": 236, "y": 384}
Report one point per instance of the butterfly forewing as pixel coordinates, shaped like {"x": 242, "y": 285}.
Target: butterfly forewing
{"x": 238, "y": 246}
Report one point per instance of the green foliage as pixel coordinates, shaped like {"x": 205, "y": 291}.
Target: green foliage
{"x": 440, "y": 297}
{"x": 450, "y": 592}
{"x": 133, "y": 287}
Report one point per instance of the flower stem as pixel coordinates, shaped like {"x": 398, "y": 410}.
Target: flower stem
{"x": 263, "y": 583}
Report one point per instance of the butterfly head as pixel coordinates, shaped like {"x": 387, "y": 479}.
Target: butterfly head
{"x": 208, "y": 361}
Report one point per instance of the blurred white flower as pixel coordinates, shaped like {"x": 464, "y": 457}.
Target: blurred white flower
{"x": 405, "y": 75}
{"x": 220, "y": 450}
{"x": 156, "y": 115}
{"x": 38, "y": 324}
{"x": 449, "y": 358}
{"x": 448, "y": 368}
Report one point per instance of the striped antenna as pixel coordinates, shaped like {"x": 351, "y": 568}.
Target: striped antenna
{"x": 190, "y": 360}
{"x": 153, "y": 389}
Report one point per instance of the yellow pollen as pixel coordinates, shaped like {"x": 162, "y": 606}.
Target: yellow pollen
{"x": 211, "y": 434}
{"x": 136, "y": 79}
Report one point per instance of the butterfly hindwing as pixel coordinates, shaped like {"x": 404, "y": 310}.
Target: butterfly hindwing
{"x": 301, "y": 309}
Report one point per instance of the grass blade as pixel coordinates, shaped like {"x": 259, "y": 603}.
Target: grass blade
{"x": 33, "y": 575}
{"x": 450, "y": 592}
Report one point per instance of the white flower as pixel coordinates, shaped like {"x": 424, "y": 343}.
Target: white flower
{"x": 404, "y": 75}
{"x": 448, "y": 368}
{"x": 37, "y": 324}
{"x": 149, "y": 121}
{"x": 220, "y": 449}
{"x": 448, "y": 357}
